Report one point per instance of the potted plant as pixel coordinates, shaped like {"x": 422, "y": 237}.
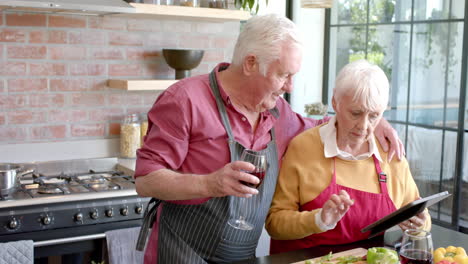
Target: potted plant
{"x": 249, "y": 5}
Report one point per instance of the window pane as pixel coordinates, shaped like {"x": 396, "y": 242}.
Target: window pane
{"x": 424, "y": 158}
{"x": 389, "y": 48}
{"x": 401, "y": 130}
{"x": 455, "y": 46}
{"x": 349, "y": 12}
{"x": 464, "y": 193}
{"x": 428, "y": 73}
{"x": 431, "y": 9}
{"x": 458, "y": 9}
{"x": 346, "y": 43}
{"x": 385, "y": 11}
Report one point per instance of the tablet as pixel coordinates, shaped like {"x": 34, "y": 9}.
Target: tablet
{"x": 404, "y": 213}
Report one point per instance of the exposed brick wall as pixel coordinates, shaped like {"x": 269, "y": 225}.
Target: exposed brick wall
{"x": 54, "y": 70}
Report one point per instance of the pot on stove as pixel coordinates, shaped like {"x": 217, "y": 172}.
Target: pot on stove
{"x": 10, "y": 175}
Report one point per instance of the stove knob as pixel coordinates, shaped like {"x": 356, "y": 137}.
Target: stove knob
{"x": 109, "y": 212}
{"x": 13, "y": 224}
{"x": 124, "y": 211}
{"x": 46, "y": 220}
{"x": 139, "y": 209}
{"x": 78, "y": 217}
{"x": 94, "y": 214}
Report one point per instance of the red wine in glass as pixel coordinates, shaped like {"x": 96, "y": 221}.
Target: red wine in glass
{"x": 260, "y": 174}
{"x": 415, "y": 256}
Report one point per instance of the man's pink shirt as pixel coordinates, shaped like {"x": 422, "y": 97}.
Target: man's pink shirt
{"x": 186, "y": 133}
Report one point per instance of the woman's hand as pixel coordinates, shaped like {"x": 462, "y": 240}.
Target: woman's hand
{"x": 335, "y": 208}
{"x": 384, "y": 131}
{"x": 415, "y": 222}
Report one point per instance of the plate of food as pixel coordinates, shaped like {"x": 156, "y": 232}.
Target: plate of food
{"x": 375, "y": 255}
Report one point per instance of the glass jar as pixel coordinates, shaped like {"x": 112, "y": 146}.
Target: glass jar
{"x": 218, "y": 4}
{"x": 191, "y": 3}
{"x": 143, "y": 127}
{"x": 163, "y": 2}
{"x": 130, "y": 136}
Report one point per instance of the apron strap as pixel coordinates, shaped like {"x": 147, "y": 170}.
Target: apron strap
{"x": 220, "y": 104}
{"x": 382, "y": 177}
{"x": 148, "y": 219}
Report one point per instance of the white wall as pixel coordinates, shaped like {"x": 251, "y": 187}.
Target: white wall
{"x": 308, "y": 82}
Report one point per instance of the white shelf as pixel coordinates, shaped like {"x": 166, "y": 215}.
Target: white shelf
{"x": 140, "y": 85}
{"x": 185, "y": 12}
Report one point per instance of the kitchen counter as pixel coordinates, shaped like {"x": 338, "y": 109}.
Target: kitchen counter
{"x": 442, "y": 237}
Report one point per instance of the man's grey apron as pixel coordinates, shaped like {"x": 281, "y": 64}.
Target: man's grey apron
{"x": 200, "y": 233}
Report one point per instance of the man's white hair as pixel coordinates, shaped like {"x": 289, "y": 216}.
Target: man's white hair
{"x": 365, "y": 83}
{"x": 263, "y": 36}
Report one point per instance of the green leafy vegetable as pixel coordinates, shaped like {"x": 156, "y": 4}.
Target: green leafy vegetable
{"x": 380, "y": 255}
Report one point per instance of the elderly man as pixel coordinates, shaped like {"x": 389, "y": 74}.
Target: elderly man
{"x": 197, "y": 130}
{"x": 332, "y": 181}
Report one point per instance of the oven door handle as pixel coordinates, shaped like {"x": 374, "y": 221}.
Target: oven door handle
{"x": 68, "y": 240}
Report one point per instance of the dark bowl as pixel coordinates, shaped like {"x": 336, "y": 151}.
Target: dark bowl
{"x": 182, "y": 60}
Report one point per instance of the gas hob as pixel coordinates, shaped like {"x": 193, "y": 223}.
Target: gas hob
{"x": 66, "y": 199}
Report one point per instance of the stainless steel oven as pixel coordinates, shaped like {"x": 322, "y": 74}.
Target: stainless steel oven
{"x": 66, "y": 206}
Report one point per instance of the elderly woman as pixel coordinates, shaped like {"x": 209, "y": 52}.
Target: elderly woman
{"x": 335, "y": 179}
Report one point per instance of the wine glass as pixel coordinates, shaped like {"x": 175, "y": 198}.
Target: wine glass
{"x": 416, "y": 247}
{"x": 259, "y": 161}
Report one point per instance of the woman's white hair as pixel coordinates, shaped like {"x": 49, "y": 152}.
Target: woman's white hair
{"x": 263, "y": 37}
{"x": 365, "y": 83}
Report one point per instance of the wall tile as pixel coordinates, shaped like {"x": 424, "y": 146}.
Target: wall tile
{"x": 47, "y": 69}
{"x": 111, "y": 23}
{"x": 49, "y": 132}
{"x": 10, "y": 102}
{"x": 124, "y": 99}
{"x": 25, "y": 19}
{"x": 125, "y": 70}
{"x": 144, "y": 25}
{"x": 12, "y": 35}
{"x": 87, "y": 69}
{"x": 67, "y": 21}
{"x": 114, "y": 128}
{"x": 26, "y": 117}
{"x": 11, "y": 68}
{"x": 144, "y": 54}
{"x": 26, "y": 52}
{"x": 27, "y": 85}
{"x": 88, "y": 37}
{"x": 67, "y": 116}
{"x": 106, "y": 53}
{"x": 87, "y": 130}
{"x": 69, "y": 85}
{"x": 125, "y": 39}
{"x": 13, "y": 133}
{"x": 67, "y": 53}
{"x": 46, "y": 100}
{"x": 87, "y": 99}
{"x": 104, "y": 114}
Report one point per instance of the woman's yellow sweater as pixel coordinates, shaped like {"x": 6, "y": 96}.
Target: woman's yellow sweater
{"x": 305, "y": 173}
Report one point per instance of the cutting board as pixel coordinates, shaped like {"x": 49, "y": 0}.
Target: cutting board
{"x": 358, "y": 252}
